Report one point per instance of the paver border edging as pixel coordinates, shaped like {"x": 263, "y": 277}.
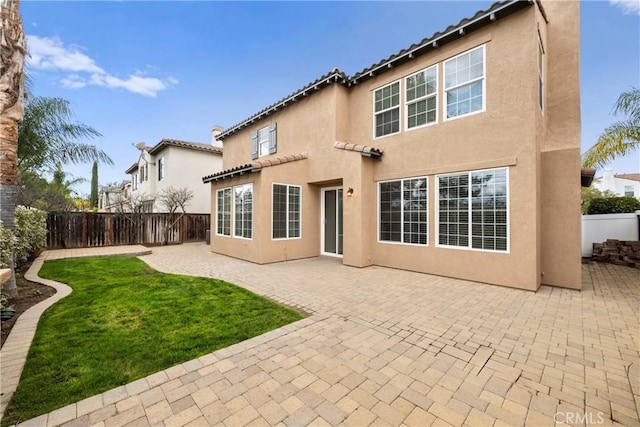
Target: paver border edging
{"x": 16, "y": 348}
{"x": 13, "y": 354}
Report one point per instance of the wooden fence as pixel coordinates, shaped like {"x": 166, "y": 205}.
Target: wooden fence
{"x": 92, "y": 229}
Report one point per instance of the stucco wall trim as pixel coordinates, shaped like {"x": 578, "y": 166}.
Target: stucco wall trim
{"x": 487, "y": 164}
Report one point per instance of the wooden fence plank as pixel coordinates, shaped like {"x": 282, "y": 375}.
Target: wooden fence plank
{"x": 90, "y": 229}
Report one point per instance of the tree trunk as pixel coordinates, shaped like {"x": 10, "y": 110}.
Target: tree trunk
{"x": 12, "y": 51}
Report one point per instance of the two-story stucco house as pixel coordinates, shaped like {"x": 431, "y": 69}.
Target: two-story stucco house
{"x": 178, "y": 164}
{"x": 457, "y": 156}
{"x": 626, "y": 184}
{"x": 115, "y": 198}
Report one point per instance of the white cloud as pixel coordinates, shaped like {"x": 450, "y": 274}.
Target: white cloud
{"x": 73, "y": 81}
{"x": 51, "y": 54}
{"x": 629, "y": 7}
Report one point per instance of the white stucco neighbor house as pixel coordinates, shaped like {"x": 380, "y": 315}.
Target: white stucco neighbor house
{"x": 627, "y": 184}
{"x": 175, "y": 163}
{"x": 115, "y": 198}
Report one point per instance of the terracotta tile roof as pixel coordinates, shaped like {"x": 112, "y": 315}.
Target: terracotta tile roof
{"x": 334, "y": 76}
{"x": 630, "y": 176}
{"x": 365, "y": 150}
{"x": 198, "y": 146}
{"x": 481, "y": 18}
{"x": 256, "y": 166}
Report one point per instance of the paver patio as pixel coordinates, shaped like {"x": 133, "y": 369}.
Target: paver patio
{"x": 392, "y": 347}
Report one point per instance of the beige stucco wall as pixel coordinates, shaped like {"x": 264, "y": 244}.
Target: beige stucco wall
{"x": 511, "y": 133}
{"x": 560, "y": 216}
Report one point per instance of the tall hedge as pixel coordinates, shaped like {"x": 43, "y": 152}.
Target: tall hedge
{"x": 28, "y": 237}
{"x": 613, "y": 205}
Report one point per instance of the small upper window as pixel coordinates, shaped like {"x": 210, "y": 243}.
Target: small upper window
{"x": 160, "y": 168}
{"x": 387, "y": 110}
{"x": 264, "y": 141}
{"x": 464, "y": 83}
{"x": 421, "y": 91}
{"x": 628, "y": 191}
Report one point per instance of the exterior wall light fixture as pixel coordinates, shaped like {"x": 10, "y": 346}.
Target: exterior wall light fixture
{"x": 350, "y": 192}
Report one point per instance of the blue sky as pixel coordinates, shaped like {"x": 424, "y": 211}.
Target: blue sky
{"x": 143, "y": 71}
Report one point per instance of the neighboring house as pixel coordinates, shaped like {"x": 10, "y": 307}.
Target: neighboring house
{"x": 115, "y": 198}
{"x": 174, "y": 163}
{"x": 457, "y": 156}
{"x": 627, "y": 184}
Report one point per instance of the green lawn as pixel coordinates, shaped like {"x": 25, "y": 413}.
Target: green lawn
{"x": 124, "y": 321}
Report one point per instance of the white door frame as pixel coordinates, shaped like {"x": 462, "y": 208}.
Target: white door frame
{"x": 322, "y": 220}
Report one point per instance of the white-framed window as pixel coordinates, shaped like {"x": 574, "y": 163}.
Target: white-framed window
{"x": 264, "y": 141}
{"x": 243, "y": 211}
{"x": 464, "y": 83}
{"x": 402, "y": 211}
{"x": 628, "y": 191}
{"x": 223, "y": 212}
{"x": 286, "y": 211}
{"x": 540, "y": 73}
{"x": 421, "y": 98}
{"x": 134, "y": 182}
{"x": 141, "y": 173}
{"x": 160, "y": 168}
{"x": 386, "y": 107}
{"x": 473, "y": 210}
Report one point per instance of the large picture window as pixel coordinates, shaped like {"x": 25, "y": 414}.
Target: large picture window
{"x": 403, "y": 211}
{"x": 464, "y": 83}
{"x": 473, "y": 210}
{"x": 286, "y": 211}
{"x": 223, "y": 212}
{"x": 387, "y": 110}
{"x": 243, "y": 211}
{"x": 421, "y": 97}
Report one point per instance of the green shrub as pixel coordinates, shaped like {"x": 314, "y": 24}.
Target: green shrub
{"x": 28, "y": 237}
{"x": 612, "y": 205}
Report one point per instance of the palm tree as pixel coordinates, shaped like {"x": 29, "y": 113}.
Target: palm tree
{"x": 619, "y": 139}
{"x": 48, "y": 137}
{"x": 12, "y": 51}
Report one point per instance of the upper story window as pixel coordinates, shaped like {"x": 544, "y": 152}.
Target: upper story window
{"x": 464, "y": 83}
{"x": 134, "y": 182}
{"x": 421, "y": 97}
{"x": 387, "y": 110}
{"x": 141, "y": 173}
{"x": 160, "y": 168}
{"x": 264, "y": 141}
{"x": 628, "y": 191}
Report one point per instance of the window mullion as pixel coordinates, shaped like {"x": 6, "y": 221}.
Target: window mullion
{"x": 402, "y": 211}
{"x": 286, "y": 211}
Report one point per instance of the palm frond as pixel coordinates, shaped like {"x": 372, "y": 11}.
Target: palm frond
{"x": 619, "y": 139}
{"x": 629, "y": 104}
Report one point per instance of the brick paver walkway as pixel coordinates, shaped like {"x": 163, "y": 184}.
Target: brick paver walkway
{"x": 392, "y": 347}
